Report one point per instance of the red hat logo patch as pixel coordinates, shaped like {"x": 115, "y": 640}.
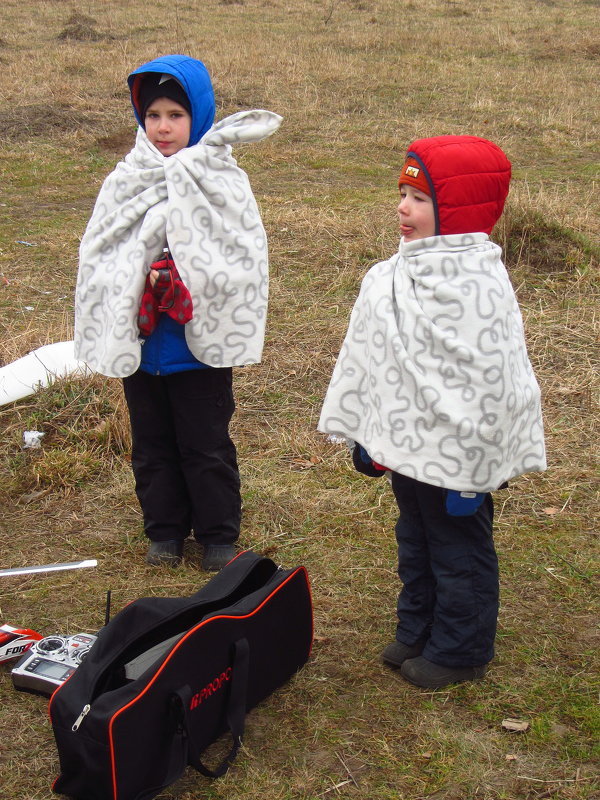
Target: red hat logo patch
{"x": 414, "y": 175}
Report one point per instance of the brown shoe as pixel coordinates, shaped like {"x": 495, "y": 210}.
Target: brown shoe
{"x": 428, "y": 675}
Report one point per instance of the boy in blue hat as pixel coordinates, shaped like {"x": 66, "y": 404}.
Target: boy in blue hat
{"x": 171, "y": 295}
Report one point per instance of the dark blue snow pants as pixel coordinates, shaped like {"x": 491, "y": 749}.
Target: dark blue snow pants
{"x": 449, "y": 572}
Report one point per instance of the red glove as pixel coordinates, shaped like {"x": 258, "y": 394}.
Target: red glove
{"x": 169, "y": 295}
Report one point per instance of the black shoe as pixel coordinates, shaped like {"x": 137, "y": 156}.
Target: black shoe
{"x": 396, "y": 653}
{"x": 167, "y": 553}
{"x": 428, "y": 675}
{"x": 216, "y": 556}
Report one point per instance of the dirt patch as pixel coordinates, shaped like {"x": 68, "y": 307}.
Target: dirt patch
{"x": 82, "y": 28}
{"x": 120, "y": 142}
{"x": 248, "y": 96}
{"x": 546, "y": 247}
{"x": 41, "y": 120}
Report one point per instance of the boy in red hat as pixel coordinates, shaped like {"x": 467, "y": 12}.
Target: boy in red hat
{"x": 433, "y": 384}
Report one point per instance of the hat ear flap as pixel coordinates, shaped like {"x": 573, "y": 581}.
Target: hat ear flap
{"x": 415, "y": 174}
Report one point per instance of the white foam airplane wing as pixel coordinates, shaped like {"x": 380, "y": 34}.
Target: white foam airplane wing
{"x": 39, "y": 369}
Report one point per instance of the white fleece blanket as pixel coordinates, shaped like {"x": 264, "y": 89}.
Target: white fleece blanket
{"x": 200, "y": 203}
{"x": 433, "y": 377}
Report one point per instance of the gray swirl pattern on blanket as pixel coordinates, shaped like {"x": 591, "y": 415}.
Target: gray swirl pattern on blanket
{"x": 199, "y": 202}
{"x": 433, "y": 377}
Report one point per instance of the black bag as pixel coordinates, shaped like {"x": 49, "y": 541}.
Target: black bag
{"x": 168, "y": 676}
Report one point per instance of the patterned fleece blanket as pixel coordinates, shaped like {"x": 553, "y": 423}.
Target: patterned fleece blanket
{"x": 200, "y": 203}
{"x": 433, "y": 377}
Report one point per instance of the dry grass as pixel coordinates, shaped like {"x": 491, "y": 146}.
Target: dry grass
{"x": 355, "y": 82}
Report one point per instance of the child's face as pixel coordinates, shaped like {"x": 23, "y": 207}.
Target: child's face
{"x": 416, "y": 214}
{"x": 167, "y": 125}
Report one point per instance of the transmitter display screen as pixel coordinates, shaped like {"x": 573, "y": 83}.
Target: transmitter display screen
{"x": 51, "y": 669}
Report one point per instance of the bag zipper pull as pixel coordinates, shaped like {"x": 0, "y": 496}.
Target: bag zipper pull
{"x": 85, "y": 710}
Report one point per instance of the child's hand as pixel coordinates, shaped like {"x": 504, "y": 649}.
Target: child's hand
{"x": 364, "y": 463}
{"x": 164, "y": 291}
{"x": 161, "y": 277}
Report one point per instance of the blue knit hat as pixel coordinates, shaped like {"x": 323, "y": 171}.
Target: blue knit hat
{"x": 154, "y": 85}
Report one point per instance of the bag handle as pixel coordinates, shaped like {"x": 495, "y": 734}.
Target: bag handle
{"x": 236, "y": 712}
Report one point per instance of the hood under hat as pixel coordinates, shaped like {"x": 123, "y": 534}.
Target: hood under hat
{"x": 467, "y": 178}
{"x": 191, "y": 88}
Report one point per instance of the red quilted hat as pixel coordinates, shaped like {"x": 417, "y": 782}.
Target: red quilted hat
{"x": 467, "y": 178}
